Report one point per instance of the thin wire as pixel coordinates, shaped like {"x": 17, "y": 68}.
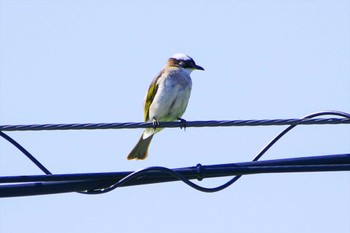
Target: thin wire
{"x": 24, "y": 151}
{"x": 278, "y": 137}
{"x": 292, "y": 122}
{"x": 139, "y": 173}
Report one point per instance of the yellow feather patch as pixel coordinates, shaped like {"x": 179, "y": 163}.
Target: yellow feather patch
{"x": 152, "y": 90}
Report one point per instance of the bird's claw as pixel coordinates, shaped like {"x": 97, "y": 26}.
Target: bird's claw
{"x": 155, "y": 123}
{"x": 184, "y": 123}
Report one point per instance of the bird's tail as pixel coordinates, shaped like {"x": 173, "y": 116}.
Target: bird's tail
{"x": 140, "y": 151}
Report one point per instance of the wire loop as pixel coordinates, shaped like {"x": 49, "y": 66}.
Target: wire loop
{"x": 200, "y": 170}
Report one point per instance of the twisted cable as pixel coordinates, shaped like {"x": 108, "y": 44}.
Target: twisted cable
{"x": 188, "y": 124}
{"x": 133, "y": 176}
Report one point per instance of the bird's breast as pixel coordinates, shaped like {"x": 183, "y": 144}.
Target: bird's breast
{"x": 171, "y": 99}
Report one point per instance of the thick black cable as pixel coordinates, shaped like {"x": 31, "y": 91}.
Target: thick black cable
{"x": 228, "y": 183}
{"x": 139, "y": 173}
{"x": 44, "y": 184}
{"x": 198, "y": 172}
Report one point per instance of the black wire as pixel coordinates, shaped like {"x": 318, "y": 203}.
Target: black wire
{"x": 280, "y": 135}
{"x": 139, "y": 173}
{"x": 24, "y": 151}
{"x": 173, "y": 124}
{"x": 177, "y": 175}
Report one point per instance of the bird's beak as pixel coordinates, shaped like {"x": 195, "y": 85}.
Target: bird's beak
{"x": 197, "y": 67}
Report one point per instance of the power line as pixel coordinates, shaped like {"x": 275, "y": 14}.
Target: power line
{"x": 135, "y": 125}
{"x": 99, "y": 183}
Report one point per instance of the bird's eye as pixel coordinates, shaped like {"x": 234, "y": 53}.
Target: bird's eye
{"x": 182, "y": 64}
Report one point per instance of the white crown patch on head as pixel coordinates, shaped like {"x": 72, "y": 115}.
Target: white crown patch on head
{"x": 181, "y": 56}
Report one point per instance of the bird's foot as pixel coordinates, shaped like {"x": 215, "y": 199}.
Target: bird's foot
{"x": 184, "y": 123}
{"x": 155, "y": 123}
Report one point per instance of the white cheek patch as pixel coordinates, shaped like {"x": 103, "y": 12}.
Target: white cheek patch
{"x": 189, "y": 70}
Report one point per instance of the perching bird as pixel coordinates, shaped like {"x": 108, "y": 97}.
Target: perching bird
{"x": 166, "y": 99}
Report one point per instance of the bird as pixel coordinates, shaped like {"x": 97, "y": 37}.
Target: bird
{"x": 166, "y": 99}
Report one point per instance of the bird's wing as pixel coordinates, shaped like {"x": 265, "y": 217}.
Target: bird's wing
{"x": 152, "y": 90}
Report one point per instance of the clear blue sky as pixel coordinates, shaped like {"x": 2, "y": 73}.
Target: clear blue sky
{"x": 92, "y": 61}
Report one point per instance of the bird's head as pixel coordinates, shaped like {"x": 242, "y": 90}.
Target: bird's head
{"x": 184, "y": 61}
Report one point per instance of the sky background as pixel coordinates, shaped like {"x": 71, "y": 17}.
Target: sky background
{"x": 92, "y": 61}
